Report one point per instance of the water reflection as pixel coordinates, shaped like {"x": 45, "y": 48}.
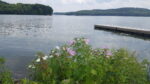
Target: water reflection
{"x": 24, "y": 26}
{"x": 146, "y": 38}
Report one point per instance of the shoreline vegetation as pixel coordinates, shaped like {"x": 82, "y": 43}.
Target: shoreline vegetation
{"x": 25, "y": 9}
{"x": 78, "y": 63}
{"x": 126, "y": 11}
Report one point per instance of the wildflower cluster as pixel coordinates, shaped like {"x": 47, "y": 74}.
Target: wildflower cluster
{"x": 78, "y": 63}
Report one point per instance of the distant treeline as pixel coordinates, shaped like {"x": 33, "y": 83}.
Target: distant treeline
{"x": 29, "y": 9}
{"x": 111, "y": 12}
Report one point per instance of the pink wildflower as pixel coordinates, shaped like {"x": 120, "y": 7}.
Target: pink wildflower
{"x": 71, "y": 52}
{"x": 105, "y": 47}
{"x": 108, "y": 54}
{"x": 71, "y": 42}
{"x": 86, "y": 41}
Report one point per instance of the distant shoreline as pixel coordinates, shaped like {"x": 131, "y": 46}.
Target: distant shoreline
{"x": 128, "y": 11}
{"x": 75, "y": 15}
{"x": 101, "y": 15}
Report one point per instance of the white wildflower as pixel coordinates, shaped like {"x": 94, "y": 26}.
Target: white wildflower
{"x": 107, "y": 56}
{"x": 78, "y": 38}
{"x": 53, "y": 51}
{"x": 57, "y": 47}
{"x": 45, "y": 57}
{"x": 64, "y": 48}
{"x": 51, "y": 56}
{"x": 57, "y": 54}
{"x": 31, "y": 66}
{"x": 38, "y": 60}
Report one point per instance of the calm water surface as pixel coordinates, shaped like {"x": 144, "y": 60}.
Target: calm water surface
{"x": 22, "y": 36}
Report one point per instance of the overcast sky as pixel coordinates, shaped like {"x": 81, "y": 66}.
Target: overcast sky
{"x": 73, "y": 5}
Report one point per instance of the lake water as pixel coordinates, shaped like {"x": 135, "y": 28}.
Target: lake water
{"x": 21, "y": 36}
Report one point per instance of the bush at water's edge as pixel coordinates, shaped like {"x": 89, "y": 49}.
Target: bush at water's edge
{"x": 78, "y": 63}
{"x": 5, "y": 75}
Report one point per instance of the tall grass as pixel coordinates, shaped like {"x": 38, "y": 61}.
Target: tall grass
{"x": 5, "y": 75}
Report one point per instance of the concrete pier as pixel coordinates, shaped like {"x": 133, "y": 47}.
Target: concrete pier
{"x": 124, "y": 30}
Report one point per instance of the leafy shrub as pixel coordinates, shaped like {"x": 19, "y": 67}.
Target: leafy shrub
{"x": 26, "y": 81}
{"x": 78, "y": 63}
{"x": 5, "y": 75}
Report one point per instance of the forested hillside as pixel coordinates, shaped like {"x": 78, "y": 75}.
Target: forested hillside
{"x": 111, "y": 12}
{"x": 29, "y": 9}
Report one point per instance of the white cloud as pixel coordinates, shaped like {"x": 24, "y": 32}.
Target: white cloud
{"x": 47, "y": 2}
{"x": 73, "y": 5}
{"x": 124, "y": 3}
{"x": 103, "y": 5}
{"x": 76, "y": 1}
